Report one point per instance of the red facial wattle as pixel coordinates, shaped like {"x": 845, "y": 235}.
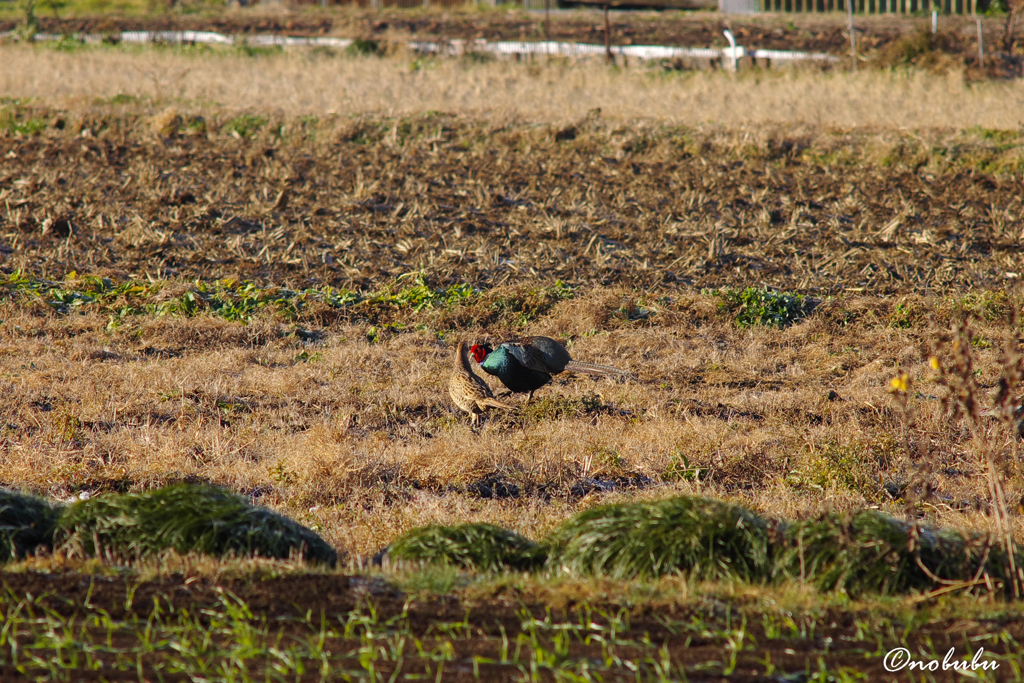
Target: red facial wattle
{"x": 478, "y": 353}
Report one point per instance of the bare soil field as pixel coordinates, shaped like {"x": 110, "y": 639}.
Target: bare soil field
{"x": 593, "y": 203}
{"x": 271, "y": 303}
{"x": 370, "y": 629}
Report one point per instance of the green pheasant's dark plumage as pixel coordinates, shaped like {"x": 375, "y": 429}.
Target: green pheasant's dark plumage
{"x": 528, "y": 364}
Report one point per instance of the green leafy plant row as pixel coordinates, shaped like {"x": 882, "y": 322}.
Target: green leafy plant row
{"x": 228, "y": 299}
{"x": 241, "y": 300}
{"x": 856, "y": 553}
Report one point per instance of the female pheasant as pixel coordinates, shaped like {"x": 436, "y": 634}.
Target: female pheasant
{"x": 469, "y": 392}
{"x": 528, "y": 364}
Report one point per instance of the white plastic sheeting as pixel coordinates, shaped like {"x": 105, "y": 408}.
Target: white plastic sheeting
{"x": 453, "y": 47}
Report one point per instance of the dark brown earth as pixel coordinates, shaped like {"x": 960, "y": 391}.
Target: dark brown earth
{"x": 833, "y": 638}
{"x": 592, "y": 204}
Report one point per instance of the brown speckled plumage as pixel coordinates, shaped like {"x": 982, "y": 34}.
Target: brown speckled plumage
{"x": 468, "y": 391}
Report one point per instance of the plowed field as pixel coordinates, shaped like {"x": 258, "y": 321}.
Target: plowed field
{"x": 596, "y": 204}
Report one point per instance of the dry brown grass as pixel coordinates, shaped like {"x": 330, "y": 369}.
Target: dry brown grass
{"x": 361, "y": 442}
{"x": 297, "y": 83}
{"x": 352, "y": 433}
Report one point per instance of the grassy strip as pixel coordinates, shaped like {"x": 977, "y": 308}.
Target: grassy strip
{"x": 228, "y": 299}
{"x": 181, "y": 517}
{"x": 240, "y": 301}
{"x": 864, "y": 552}
{"x": 994, "y": 151}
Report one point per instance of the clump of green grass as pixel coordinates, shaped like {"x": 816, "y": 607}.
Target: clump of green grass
{"x": 871, "y": 552}
{"x": 247, "y": 50}
{"x": 420, "y": 296}
{"x": 365, "y": 47}
{"x": 550, "y": 408}
{"x": 522, "y": 306}
{"x": 852, "y": 465}
{"x": 26, "y": 522}
{"x": 485, "y": 547}
{"x": 706, "y": 539}
{"x": 246, "y": 125}
{"x": 185, "y": 518}
{"x": 757, "y": 306}
{"x": 17, "y": 118}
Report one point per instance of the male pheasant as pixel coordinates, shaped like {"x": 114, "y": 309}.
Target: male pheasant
{"x": 468, "y": 391}
{"x": 528, "y": 364}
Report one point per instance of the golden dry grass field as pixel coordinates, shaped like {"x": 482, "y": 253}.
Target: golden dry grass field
{"x": 254, "y": 271}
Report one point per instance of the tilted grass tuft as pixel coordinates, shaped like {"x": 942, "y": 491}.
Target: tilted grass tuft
{"x": 185, "y": 518}
{"x": 485, "y": 547}
{"x": 871, "y": 552}
{"x": 26, "y": 522}
{"x": 756, "y": 306}
{"x": 549, "y": 408}
{"x": 704, "y": 538}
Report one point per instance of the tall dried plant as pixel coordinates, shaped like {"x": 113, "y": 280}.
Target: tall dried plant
{"x": 953, "y": 361}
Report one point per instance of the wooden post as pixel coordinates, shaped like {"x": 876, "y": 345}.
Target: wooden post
{"x": 853, "y": 36}
{"x": 981, "y": 45}
{"x": 607, "y": 37}
{"x": 547, "y": 20}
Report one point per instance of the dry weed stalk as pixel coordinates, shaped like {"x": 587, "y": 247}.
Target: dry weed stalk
{"x": 963, "y": 400}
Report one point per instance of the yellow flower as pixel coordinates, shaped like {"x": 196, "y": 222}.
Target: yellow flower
{"x": 934, "y": 362}
{"x": 901, "y": 383}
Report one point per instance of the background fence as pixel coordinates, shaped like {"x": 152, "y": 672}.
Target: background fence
{"x": 728, "y": 6}
{"x": 878, "y": 6}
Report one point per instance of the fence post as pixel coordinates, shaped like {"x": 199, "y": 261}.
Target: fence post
{"x": 853, "y": 36}
{"x": 607, "y": 37}
{"x": 981, "y": 44}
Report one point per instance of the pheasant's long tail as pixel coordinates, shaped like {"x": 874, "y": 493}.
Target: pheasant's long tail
{"x": 597, "y": 369}
{"x": 492, "y": 403}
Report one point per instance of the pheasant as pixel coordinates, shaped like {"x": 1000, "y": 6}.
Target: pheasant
{"x": 528, "y": 364}
{"x": 468, "y": 391}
